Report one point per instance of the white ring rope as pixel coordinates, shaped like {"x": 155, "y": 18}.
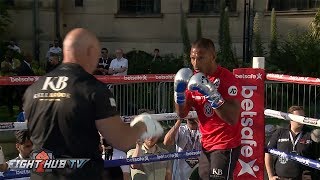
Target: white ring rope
{"x": 13, "y": 126}
{"x": 292, "y": 117}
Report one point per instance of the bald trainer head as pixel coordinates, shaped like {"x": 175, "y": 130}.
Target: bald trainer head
{"x": 81, "y": 47}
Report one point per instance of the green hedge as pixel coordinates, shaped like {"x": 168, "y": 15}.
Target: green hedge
{"x": 141, "y": 62}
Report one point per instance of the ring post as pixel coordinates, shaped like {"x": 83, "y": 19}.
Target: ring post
{"x": 250, "y": 164}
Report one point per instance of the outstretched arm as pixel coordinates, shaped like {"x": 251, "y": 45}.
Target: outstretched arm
{"x": 170, "y": 136}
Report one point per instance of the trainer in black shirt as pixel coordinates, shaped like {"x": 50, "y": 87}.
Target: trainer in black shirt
{"x": 294, "y": 139}
{"x": 66, "y": 108}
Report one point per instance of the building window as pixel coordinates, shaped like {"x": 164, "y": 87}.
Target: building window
{"x": 139, "y": 7}
{"x": 9, "y": 2}
{"x": 78, "y": 3}
{"x": 286, "y": 5}
{"x": 210, "y": 6}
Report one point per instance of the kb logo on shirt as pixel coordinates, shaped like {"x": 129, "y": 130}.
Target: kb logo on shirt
{"x": 216, "y": 171}
{"x": 55, "y": 83}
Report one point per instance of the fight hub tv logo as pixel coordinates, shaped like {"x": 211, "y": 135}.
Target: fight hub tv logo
{"x": 247, "y": 134}
{"x": 44, "y": 161}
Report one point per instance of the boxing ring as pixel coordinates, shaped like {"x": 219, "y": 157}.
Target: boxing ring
{"x": 251, "y": 161}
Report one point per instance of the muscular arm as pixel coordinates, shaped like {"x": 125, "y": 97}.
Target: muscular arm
{"x": 272, "y": 143}
{"x": 110, "y": 128}
{"x": 229, "y": 111}
{"x": 183, "y": 109}
{"x": 137, "y": 152}
{"x": 170, "y": 136}
{"x": 269, "y": 165}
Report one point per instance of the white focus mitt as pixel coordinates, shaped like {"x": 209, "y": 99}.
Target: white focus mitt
{"x": 2, "y": 160}
{"x": 154, "y": 128}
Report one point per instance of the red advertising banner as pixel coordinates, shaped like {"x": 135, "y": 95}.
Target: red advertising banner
{"x": 26, "y": 80}
{"x": 293, "y": 79}
{"x": 251, "y": 160}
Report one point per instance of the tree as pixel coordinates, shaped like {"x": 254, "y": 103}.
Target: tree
{"x": 199, "y": 31}
{"x": 258, "y": 48}
{"x": 273, "y": 47}
{"x": 225, "y": 55}
{"x": 185, "y": 37}
{"x": 274, "y": 36}
{"x": 299, "y": 55}
{"x": 222, "y": 7}
{"x": 315, "y": 26}
{"x": 4, "y": 18}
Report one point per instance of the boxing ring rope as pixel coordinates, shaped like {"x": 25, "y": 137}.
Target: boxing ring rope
{"x": 12, "y": 126}
{"x": 292, "y": 117}
{"x": 171, "y": 116}
{"x": 176, "y": 155}
{"x": 169, "y": 156}
{"x": 293, "y": 79}
{"x": 27, "y": 80}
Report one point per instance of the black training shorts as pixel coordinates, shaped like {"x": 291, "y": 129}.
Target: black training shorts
{"x": 218, "y": 164}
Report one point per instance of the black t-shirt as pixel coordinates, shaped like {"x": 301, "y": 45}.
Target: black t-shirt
{"x": 61, "y": 109}
{"x": 281, "y": 140}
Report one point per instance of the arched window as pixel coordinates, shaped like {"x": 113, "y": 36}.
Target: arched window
{"x": 78, "y": 3}
{"x": 9, "y": 2}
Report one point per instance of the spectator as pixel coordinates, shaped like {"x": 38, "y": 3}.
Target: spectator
{"x": 9, "y": 67}
{"x": 104, "y": 63}
{"x": 23, "y": 145}
{"x": 119, "y": 65}
{"x": 155, "y": 170}
{"x": 294, "y": 139}
{"x": 53, "y": 62}
{"x": 56, "y": 50}
{"x": 13, "y": 46}
{"x": 186, "y": 138}
{"x": 25, "y": 69}
{"x": 48, "y": 52}
{"x": 156, "y": 55}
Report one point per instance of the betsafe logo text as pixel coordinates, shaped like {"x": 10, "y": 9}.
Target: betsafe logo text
{"x": 44, "y": 161}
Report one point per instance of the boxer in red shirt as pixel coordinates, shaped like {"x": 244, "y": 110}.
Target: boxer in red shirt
{"x": 213, "y": 92}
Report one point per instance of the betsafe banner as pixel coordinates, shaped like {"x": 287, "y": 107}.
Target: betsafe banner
{"x": 250, "y": 164}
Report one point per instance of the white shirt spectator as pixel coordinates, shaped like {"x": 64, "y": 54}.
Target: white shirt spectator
{"x": 119, "y": 63}
{"x": 15, "y": 48}
{"x": 55, "y": 50}
{"x": 186, "y": 140}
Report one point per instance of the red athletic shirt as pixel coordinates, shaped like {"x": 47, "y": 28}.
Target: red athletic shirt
{"x": 216, "y": 133}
